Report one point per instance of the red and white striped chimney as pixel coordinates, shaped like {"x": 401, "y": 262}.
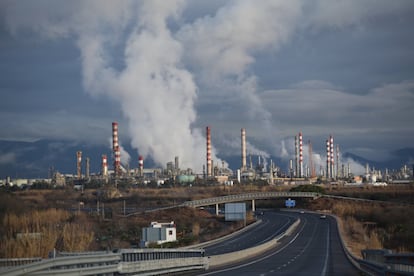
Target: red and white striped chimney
{"x": 208, "y": 138}
{"x": 79, "y": 164}
{"x": 141, "y": 165}
{"x": 296, "y": 157}
{"x": 328, "y": 158}
{"x": 332, "y": 157}
{"x": 115, "y": 149}
{"x": 300, "y": 154}
{"x": 243, "y": 149}
{"x": 104, "y": 165}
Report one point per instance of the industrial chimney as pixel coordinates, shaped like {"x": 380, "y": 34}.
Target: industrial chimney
{"x": 141, "y": 165}
{"x": 296, "y": 157}
{"x": 115, "y": 149}
{"x": 208, "y": 137}
{"x": 79, "y": 164}
{"x": 104, "y": 170}
{"x": 87, "y": 168}
{"x": 243, "y": 149}
{"x": 328, "y": 158}
{"x": 332, "y": 157}
{"x": 338, "y": 173}
{"x": 300, "y": 155}
{"x": 176, "y": 163}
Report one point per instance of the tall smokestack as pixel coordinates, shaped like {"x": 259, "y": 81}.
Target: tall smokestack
{"x": 312, "y": 172}
{"x": 296, "y": 157}
{"x": 141, "y": 165}
{"x": 208, "y": 137}
{"x": 300, "y": 155}
{"x": 176, "y": 163}
{"x": 243, "y": 149}
{"x": 338, "y": 173}
{"x": 104, "y": 166}
{"x": 332, "y": 157}
{"x": 79, "y": 164}
{"x": 328, "y": 159}
{"x": 87, "y": 168}
{"x": 115, "y": 149}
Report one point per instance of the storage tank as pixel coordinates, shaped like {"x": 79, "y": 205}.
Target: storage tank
{"x": 185, "y": 178}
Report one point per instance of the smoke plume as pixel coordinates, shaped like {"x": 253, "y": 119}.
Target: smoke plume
{"x": 221, "y": 48}
{"x": 148, "y": 58}
{"x": 146, "y": 75}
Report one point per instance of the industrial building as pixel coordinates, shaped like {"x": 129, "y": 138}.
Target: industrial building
{"x": 301, "y": 169}
{"x": 158, "y": 233}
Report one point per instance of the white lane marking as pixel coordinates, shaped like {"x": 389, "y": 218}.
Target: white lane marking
{"x": 325, "y": 266}
{"x": 261, "y": 259}
{"x": 241, "y": 235}
{"x": 274, "y": 235}
{"x": 303, "y": 249}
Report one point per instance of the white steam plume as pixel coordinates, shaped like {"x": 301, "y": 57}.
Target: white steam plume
{"x": 155, "y": 91}
{"x": 125, "y": 156}
{"x": 222, "y": 48}
{"x": 319, "y": 160}
{"x": 130, "y": 52}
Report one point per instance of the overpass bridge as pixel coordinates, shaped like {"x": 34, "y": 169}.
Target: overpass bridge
{"x": 246, "y": 197}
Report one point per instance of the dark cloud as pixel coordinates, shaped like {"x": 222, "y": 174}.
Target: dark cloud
{"x": 319, "y": 66}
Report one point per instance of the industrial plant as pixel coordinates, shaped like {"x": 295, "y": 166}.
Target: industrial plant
{"x": 303, "y": 168}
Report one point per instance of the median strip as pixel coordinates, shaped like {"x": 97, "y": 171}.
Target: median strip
{"x": 228, "y": 258}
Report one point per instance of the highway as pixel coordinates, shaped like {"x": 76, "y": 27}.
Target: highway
{"x": 314, "y": 249}
{"x": 273, "y": 223}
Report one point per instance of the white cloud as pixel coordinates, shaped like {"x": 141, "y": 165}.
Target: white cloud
{"x": 324, "y": 14}
{"x": 169, "y": 74}
{"x": 322, "y": 110}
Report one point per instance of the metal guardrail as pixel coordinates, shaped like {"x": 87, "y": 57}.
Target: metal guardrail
{"x": 88, "y": 264}
{"x": 8, "y": 263}
{"x": 124, "y": 261}
{"x": 385, "y": 262}
{"x": 249, "y": 196}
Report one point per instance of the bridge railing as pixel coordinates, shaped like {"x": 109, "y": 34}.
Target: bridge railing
{"x": 249, "y": 196}
{"x": 123, "y": 261}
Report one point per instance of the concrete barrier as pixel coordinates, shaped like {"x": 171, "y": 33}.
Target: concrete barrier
{"x": 228, "y": 258}
{"x": 226, "y": 237}
{"x": 156, "y": 267}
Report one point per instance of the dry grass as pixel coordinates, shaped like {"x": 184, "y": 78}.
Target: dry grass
{"x": 76, "y": 237}
{"x": 35, "y": 212}
{"x": 372, "y": 225}
{"x": 36, "y": 233}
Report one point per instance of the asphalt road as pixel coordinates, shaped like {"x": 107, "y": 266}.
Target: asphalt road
{"x": 314, "y": 249}
{"x": 273, "y": 223}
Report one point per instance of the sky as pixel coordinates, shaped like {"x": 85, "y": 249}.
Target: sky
{"x": 164, "y": 70}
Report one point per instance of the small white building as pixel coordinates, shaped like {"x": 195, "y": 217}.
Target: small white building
{"x": 159, "y": 233}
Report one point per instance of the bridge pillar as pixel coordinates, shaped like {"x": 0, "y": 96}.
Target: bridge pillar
{"x": 217, "y": 209}
{"x": 253, "y": 206}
